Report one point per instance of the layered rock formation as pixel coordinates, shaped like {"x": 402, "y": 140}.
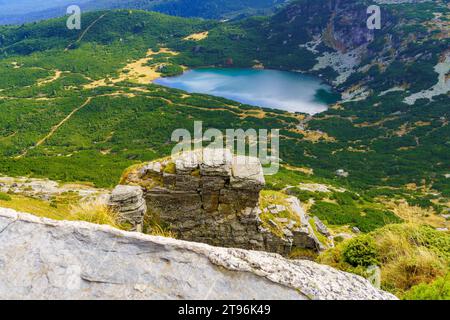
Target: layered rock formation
{"x": 211, "y": 196}
{"x": 129, "y": 203}
{"x": 46, "y": 259}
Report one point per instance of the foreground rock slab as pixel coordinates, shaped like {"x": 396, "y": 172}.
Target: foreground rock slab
{"x": 46, "y": 259}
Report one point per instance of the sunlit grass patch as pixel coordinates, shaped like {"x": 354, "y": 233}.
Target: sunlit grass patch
{"x": 95, "y": 212}
{"x": 37, "y": 207}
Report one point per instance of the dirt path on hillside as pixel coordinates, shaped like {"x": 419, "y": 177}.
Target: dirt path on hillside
{"x": 55, "y": 128}
{"x": 86, "y": 31}
{"x": 57, "y": 75}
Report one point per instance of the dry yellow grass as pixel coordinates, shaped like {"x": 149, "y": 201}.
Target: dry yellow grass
{"x": 197, "y": 36}
{"x": 158, "y": 231}
{"x": 314, "y": 136}
{"x": 422, "y": 123}
{"x": 409, "y": 254}
{"x": 304, "y": 170}
{"x": 137, "y": 71}
{"x": 403, "y": 130}
{"x": 257, "y": 113}
{"x": 405, "y": 261}
{"x": 417, "y": 215}
{"x": 36, "y": 207}
{"x": 94, "y": 212}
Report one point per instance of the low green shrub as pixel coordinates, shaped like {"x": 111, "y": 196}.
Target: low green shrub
{"x": 171, "y": 70}
{"x": 437, "y": 290}
{"x": 5, "y": 197}
{"x": 306, "y": 195}
{"x": 361, "y": 251}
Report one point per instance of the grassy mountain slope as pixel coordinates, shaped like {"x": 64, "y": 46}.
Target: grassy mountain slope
{"x": 78, "y": 106}
{"x": 396, "y": 142}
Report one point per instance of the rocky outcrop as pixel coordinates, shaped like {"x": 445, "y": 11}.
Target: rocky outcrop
{"x": 47, "y": 190}
{"x": 129, "y": 203}
{"x": 46, "y": 259}
{"x": 211, "y": 196}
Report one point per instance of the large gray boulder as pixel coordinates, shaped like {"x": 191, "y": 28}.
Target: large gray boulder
{"x": 46, "y": 259}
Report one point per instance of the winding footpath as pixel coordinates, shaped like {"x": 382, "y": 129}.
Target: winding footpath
{"x": 55, "y": 128}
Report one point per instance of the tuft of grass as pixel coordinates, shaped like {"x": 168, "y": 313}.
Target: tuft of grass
{"x": 417, "y": 266}
{"x": 94, "y": 212}
{"x": 300, "y": 253}
{"x": 153, "y": 226}
{"x": 159, "y": 231}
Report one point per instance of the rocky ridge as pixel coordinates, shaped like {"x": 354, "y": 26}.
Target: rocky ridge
{"x": 46, "y": 259}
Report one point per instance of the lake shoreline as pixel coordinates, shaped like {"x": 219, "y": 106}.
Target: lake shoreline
{"x": 289, "y": 91}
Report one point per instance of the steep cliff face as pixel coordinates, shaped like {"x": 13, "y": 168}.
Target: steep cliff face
{"x": 341, "y": 24}
{"x": 46, "y": 259}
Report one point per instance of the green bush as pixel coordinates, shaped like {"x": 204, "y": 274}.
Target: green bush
{"x": 437, "y": 290}
{"x": 171, "y": 70}
{"x": 5, "y": 197}
{"x": 360, "y": 251}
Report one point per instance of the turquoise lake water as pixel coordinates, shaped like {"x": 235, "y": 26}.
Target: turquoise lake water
{"x": 290, "y": 91}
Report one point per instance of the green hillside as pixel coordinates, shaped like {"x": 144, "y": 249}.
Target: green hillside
{"x": 417, "y": 154}
{"x": 23, "y": 11}
{"x": 79, "y": 106}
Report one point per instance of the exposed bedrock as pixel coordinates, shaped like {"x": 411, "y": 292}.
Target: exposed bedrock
{"x": 47, "y": 259}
